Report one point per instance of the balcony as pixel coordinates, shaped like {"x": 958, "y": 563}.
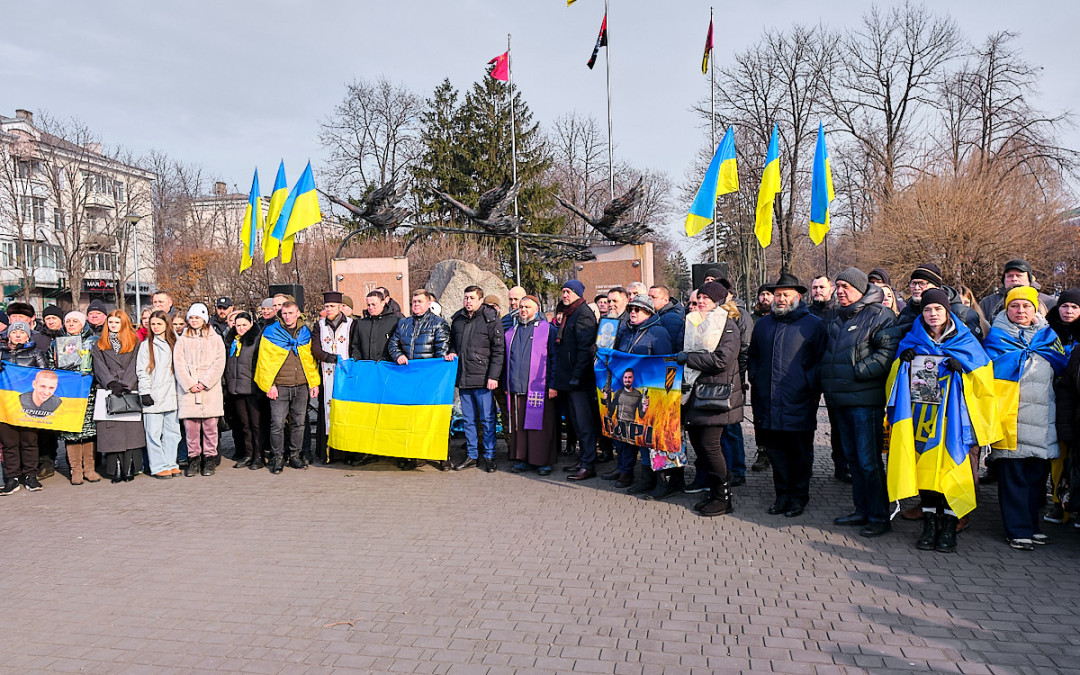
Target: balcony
{"x": 100, "y": 200}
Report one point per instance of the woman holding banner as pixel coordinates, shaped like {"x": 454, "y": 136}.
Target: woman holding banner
{"x": 72, "y": 351}
{"x": 119, "y": 440}
{"x": 532, "y": 414}
{"x": 711, "y": 358}
{"x": 20, "y": 443}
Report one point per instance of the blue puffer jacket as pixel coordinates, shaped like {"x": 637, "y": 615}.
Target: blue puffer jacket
{"x": 673, "y": 318}
{"x": 647, "y": 338}
{"x": 782, "y": 365}
{"x": 420, "y": 337}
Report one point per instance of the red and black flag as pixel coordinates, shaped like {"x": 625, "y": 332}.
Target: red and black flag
{"x": 708, "y": 51}
{"x": 601, "y": 41}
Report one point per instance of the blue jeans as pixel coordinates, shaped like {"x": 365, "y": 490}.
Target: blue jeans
{"x": 627, "y": 456}
{"x": 162, "y": 435}
{"x": 478, "y": 408}
{"x": 861, "y": 438}
{"x": 731, "y": 443}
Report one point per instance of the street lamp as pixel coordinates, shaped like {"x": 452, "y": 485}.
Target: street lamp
{"x": 133, "y": 220}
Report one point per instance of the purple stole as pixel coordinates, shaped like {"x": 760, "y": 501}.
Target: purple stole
{"x": 537, "y": 394}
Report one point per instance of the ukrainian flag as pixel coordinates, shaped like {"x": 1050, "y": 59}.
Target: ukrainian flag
{"x": 300, "y": 210}
{"x": 721, "y": 178}
{"x": 381, "y": 408}
{"x": 277, "y": 201}
{"x": 60, "y": 403}
{"x": 929, "y": 444}
{"x": 274, "y": 347}
{"x": 1009, "y": 355}
{"x": 821, "y": 190}
{"x": 770, "y": 186}
{"x": 253, "y": 222}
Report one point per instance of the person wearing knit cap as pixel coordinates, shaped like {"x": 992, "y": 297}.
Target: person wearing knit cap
{"x": 1017, "y": 272}
{"x": 854, "y": 371}
{"x": 712, "y": 274}
{"x": 96, "y": 314}
{"x": 880, "y": 278}
{"x": 347, "y": 306}
{"x": 20, "y": 443}
{"x": 763, "y": 305}
{"x": 783, "y": 369}
{"x": 1063, "y": 320}
{"x": 571, "y": 375}
{"x": 53, "y": 318}
{"x": 928, "y": 276}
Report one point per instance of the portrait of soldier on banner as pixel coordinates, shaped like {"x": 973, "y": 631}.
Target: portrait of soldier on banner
{"x": 41, "y": 401}
{"x": 639, "y": 399}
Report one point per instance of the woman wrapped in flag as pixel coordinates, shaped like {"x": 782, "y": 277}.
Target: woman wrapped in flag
{"x": 1027, "y": 356}
{"x": 930, "y": 442}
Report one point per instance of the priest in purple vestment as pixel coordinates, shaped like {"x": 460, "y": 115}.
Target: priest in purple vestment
{"x": 532, "y": 416}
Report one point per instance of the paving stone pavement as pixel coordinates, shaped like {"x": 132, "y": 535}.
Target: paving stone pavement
{"x": 378, "y": 570}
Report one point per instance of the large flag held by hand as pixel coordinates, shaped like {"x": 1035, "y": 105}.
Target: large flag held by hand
{"x": 708, "y": 51}
{"x": 300, "y": 211}
{"x": 721, "y": 178}
{"x": 770, "y": 186}
{"x": 601, "y": 41}
{"x": 277, "y": 201}
{"x": 501, "y": 71}
{"x": 821, "y": 190}
{"x": 253, "y": 222}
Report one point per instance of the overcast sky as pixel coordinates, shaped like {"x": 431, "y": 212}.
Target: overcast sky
{"x": 238, "y": 84}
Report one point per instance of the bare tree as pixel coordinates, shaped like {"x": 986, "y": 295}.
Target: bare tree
{"x": 579, "y": 159}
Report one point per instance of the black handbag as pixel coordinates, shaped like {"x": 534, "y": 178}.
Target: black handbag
{"x": 125, "y": 403}
{"x": 712, "y": 397}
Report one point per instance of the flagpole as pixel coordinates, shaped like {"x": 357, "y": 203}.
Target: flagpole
{"x": 712, "y": 122}
{"x": 513, "y": 161}
{"x": 610, "y": 150}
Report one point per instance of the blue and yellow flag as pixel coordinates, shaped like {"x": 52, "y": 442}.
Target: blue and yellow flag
{"x": 929, "y": 442}
{"x": 381, "y": 408}
{"x": 43, "y": 399}
{"x": 274, "y": 347}
{"x": 253, "y": 222}
{"x": 1010, "y": 354}
{"x": 300, "y": 211}
{"x": 721, "y": 178}
{"x": 271, "y": 244}
{"x": 770, "y": 186}
{"x": 821, "y": 190}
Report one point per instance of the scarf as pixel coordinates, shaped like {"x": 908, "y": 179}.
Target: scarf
{"x": 562, "y": 314}
{"x": 702, "y": 334}
{"x": 114, "y": 340}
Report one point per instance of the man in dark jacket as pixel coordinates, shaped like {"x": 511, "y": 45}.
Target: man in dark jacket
{"x": 923, "y": 278}
{"x": 1017, "y": 273}
{"x": 572, "y": 377}
{"x": 880, "y": 278}
{"x": 782, "y": 366}
{"x": 370, "y": 337}
{"x": 763, "y": 305}
{"x": 671, "y": 313}
{"x": 513, "y": 296}
{"x": 476, "y": 342}
{"x": 853, "y": 373}
{"x": 220, "y": 321}
{"x": 822, "y": 298}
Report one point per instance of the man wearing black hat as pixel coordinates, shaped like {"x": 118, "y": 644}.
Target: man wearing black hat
{"x": 925, "y": 277}
{"x": 853, "y": 374}
{"x": 880, "y": 278}
{"x": 220, "y": 321}
{"x": 1017, "y": 273}
{"x": 571, "y": 377}
{"x": 329, "y": 340}
{"x": 782, "y": 365}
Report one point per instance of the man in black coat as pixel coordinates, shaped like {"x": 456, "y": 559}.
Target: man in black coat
{"x": 1016, "y": 273}
{"x": 923, "y": 278}
{"x": 572, "y": 377}
{"x": 476, "y": 341}
{"x": 370, "y": 333}
{"x": 782, "y": 366}
{"x": 853, "y": 374}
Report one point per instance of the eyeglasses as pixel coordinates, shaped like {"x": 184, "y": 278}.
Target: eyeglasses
{"x": 638, "y": 309}
{"x": 919, "y": 284}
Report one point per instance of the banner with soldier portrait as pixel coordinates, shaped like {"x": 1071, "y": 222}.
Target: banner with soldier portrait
{"x": 640, "y": 398}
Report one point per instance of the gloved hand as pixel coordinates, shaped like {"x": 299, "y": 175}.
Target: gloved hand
{"x": 954, "y": 365}
{"x": 115, "y": 387}
{"x": 147, "y": 400}
{"x": 908, "y": 355}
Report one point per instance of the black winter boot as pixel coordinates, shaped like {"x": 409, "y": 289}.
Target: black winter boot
{"x": 929, "y": 537}
{"x": 257, "y": 462}
{"x": 648, "y": 482}
{"x": 208, "y": 465}
{"x": 194, "y": 464}
{"x": 670, "y": 481}
{"x": 946, "y": 538}
{"x": 719, "y": 503}
{"x": 242, "y": 462}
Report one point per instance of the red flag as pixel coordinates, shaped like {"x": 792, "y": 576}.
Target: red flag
{"x": 708, "y": 51}
{"x": 601, "y": 41}
{"x": 501, "y": 71}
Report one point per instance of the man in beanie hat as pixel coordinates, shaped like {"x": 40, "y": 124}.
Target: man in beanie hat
{"x": 712, "y": 274}
{"x": 1017, "y": 272}
{"x": 96, "y": 314}
{"x": 880, "y": 278}
{"x": 923, "y": 278}
{"x": 267, "y": 314}
{"x": 347, "y": 306}
{"x": 329, "y": 340}
{"x": 782, "y": 366}
{"x": 853, "y": 375}
{"x": 764, "y": 303}
{"x": 478, "y": 345}
{"x": 571, "y": 376}
{"x": 53, "y": 320}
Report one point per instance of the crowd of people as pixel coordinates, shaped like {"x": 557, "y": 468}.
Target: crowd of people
{"x": 194, "y": 373}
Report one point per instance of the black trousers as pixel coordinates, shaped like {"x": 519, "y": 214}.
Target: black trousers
{"x": 580, "y": 407}
{"x": 1021, "y": 484}
{"x": 792, "y": 456}
{"x": 708, "y": 450}
{"x": 247, "y": 425}
{"x": 20, "y": 451}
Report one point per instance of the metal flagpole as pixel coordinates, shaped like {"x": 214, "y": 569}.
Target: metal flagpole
{"x": 712, "y": 124}
{"x": 610, "y": 150}
{"x": 513, "y": 160}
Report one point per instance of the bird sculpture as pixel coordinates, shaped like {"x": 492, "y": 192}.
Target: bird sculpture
{"x": 380, "y": 207}
{"x": 609, "y": 224}
{"x": 491, "y": 209}
{"x": 555, "y": 252}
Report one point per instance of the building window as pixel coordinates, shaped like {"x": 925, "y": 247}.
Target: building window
{"x": 7, "y": 253}
{"x": 58, "y": 219}
{"x": 120, "y": 192}
{"x": 101, "y": 262}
